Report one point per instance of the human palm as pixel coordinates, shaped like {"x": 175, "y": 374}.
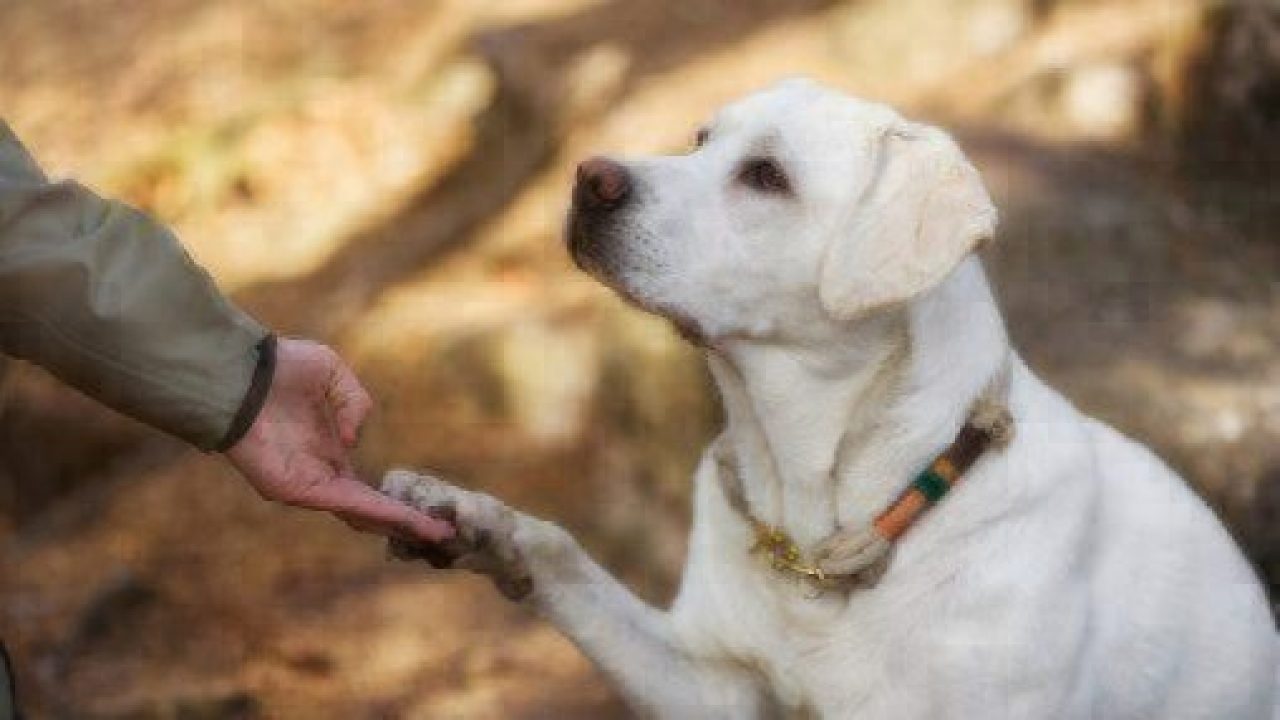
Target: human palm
{"x": 298, "y": 449}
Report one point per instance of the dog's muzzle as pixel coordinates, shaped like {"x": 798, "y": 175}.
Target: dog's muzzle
{"x": 603, "y": 188}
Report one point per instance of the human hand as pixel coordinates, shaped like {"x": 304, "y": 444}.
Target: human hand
{"x": 298, "y": 449}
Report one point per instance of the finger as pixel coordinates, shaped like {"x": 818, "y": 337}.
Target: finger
{"x": 360, "y": 525}
{"x": 353, "y": 523}
{"x": 409, "y": 531}
{"x": 358, "y": 502}
{"x": 350, "y": 402}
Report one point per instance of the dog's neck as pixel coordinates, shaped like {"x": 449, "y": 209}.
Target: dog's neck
{"x": 828, "y": 433}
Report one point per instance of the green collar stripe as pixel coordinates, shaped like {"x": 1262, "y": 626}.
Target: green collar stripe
{"x": 931, "y": 485}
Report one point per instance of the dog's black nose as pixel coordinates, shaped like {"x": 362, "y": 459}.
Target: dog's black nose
{"x": 602, "y": 184}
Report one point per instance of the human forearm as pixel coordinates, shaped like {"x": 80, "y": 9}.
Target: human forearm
{"x": 106, "y": 299}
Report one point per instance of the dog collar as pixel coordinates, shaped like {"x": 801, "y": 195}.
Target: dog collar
{"x": 988, "y": 426}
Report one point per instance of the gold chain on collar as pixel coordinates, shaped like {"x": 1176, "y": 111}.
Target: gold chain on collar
{"x": 990, "y": 424}
{"x": 783, "y": 553}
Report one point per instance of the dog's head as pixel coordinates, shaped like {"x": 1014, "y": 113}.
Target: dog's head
{"x": 799, "y": 205}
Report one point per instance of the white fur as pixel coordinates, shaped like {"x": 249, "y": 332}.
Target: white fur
{"x": 1070, "y": 575}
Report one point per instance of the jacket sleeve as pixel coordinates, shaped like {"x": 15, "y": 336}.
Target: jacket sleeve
{"x": 107, "y": 300}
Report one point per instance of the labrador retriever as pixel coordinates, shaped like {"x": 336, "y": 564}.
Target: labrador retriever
{"x": 899, "y": 520}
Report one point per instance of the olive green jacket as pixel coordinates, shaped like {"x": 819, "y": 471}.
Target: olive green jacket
{"x": 107, "y": 300}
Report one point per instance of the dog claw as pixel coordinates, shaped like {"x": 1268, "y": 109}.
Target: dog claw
{"x": 515, "y": 589}
{"x": 438, "y": 555}
{"x": 447, "y": 513}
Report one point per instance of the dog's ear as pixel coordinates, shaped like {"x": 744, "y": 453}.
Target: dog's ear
{"x": 925, "y": 210}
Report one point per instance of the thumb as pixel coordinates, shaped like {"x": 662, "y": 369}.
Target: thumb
{"x": 349, "y": 400}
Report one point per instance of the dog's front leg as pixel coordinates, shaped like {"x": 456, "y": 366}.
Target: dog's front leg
{"x": 634, "y": 643}
{"x": 537, "y": 562}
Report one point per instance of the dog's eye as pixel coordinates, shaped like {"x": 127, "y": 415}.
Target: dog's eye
{"x": 764, "y": 175}
{"x": 701, "y": 138}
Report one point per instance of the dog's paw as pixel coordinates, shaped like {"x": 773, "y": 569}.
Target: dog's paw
{"x": 485, "y": 540}
{"x": 856, "y": 551}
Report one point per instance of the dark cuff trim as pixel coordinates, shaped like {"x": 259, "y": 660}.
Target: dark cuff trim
{"x": 254, "y": 397}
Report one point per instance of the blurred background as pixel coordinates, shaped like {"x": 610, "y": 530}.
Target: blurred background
{"x": 390, "y": 177}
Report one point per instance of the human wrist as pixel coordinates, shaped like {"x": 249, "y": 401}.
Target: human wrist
{"x": 255, "y": 395}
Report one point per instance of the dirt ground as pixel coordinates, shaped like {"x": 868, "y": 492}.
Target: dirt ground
{"x": 390, "y": 177}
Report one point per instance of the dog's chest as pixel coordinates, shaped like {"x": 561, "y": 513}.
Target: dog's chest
{"x": 813, "y": 650}
{"x": 895, "y": 650}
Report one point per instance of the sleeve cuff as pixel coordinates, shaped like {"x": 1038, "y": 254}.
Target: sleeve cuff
{"x": 255, "y": 397}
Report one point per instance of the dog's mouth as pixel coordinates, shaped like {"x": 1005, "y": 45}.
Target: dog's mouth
{"x": 597, "y": 243}
{"x": 585, "y": 247}
{"x": 587, "y": 244}
{"x": 591, "y": 245}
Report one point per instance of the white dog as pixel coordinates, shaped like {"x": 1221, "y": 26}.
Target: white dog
{"x": 820, "y": 249}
